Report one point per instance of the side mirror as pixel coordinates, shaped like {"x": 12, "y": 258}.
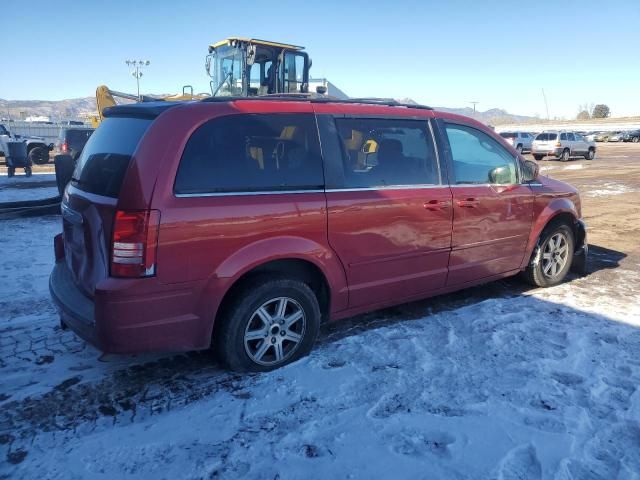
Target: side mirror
{"x": 207, "y": 64}
{"x": 530, "y": 171}
{"x": 321, "y": 89}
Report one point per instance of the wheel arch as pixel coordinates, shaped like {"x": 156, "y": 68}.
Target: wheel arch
{"x": 290, "y": 257}
{"x": 559, "y": 211}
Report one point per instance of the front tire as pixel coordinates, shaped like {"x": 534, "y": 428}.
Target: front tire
{"x": 519, "y": 149}
{"x": 270, "y": 323}
{"x": 538, "y": 157}
{"x": 635, "y": 139}
{"x": 566, "y": 154}
{"x": 553, "y": 257}
{"x": 590, "y": 155}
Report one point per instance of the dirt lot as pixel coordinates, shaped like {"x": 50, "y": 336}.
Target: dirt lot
{"x": 475, "y": 352}
{"x": 610, "y": 191}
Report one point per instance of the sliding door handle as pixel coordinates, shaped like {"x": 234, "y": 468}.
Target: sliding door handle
{"x": 436, "y": 205}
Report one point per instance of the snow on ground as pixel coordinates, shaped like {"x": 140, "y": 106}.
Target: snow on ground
{"x": 19, "y": 194}
{"x": 576, "y": 166}
{"x": 606, "y": 189}
{"x": 20, "y": 187}
{"x": 21, "y": 178}
{"x": 515, "y": 384}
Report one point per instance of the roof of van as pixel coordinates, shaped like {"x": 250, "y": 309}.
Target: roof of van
{"x": 316, "y": 98}
{"x": 153, "y": 109}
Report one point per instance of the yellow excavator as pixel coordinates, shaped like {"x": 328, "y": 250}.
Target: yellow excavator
{"x": 239, "y": 67}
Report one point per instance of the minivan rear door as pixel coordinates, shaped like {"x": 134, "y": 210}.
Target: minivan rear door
{"x": 89, "y": 202}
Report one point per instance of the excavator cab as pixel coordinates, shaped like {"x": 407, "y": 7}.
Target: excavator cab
{"x": 246, "y": 67}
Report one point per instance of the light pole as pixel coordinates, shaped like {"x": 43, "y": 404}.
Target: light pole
{"x": 546, "y": 105}
{"x": 136, "y": 70}
{"x": 474, "y": 106}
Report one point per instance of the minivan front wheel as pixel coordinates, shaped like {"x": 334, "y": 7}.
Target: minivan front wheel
{"x": 553, "y": 257}
{"x": 565, "y": 155}
{"x": 273, "y": 322}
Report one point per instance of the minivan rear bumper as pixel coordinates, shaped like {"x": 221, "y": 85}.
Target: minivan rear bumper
{"x": 134, "y": 316}
{"x": 76, "y": 310}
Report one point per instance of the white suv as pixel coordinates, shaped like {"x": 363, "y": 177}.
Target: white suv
{"x": 562, "y": 145}
{"x": 521, "y": 141}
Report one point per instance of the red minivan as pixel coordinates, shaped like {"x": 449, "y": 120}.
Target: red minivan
{"x": 244, "y": 223}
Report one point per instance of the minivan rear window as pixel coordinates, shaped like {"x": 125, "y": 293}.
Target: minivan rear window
{"x": 545, "y": 137}
{"x": 509, "y": 135}
{"x": 107, "y": 155}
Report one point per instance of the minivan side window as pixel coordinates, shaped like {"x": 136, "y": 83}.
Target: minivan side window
{"x": 252, "y": 152}
{"x": 379, "y": 152}
{"x": 478, "y": 158}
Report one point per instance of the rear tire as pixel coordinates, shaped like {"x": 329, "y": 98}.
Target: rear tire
{"x": 538, "y": 157}
{"x": 253, "y": 335}
{"x": 635, "y": 139}
{"x": 519, "y": 149}
{"x": 11, "y": 171}
{"x": 27, "y": 171}
{"x": 566, "y": 154}
{"x": 39, "y": 155}
{"x": 552, "y": 262}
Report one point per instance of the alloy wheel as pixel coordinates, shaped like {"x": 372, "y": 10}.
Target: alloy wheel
{"x": 555, "y": 255}
{"x": 275, "y": 331}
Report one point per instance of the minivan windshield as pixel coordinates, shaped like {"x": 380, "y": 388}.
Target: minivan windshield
{"x": 547, "y": 137}
{"x": 106, "y": 156}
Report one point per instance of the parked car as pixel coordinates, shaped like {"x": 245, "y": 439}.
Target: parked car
{"x": 72, "y": 140}
{"x": 603, "y": 136}
{"x": 616, "y": 137}
{"x": 632, "y": 136}
{"x": 521, "y": 141}
{"x": 221, "y": 223}
{"x": 590, "y": 136}
{"x": 562, "y": 146}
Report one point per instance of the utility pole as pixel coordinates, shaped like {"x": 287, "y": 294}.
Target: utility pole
{"x": 546, "y": 105}
{"x": 136, "y": 70}
{"x": 474, "y": 106}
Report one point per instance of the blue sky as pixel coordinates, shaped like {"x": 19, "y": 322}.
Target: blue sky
{"x": 442, "y": 53}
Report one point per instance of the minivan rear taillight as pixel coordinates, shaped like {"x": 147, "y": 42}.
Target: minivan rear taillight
{"x": 64, "y": 148}
{"x": 135, "y": 243}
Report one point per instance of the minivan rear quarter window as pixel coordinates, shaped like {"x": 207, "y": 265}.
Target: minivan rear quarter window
{"x": 107, "y": 155}
{"x": 252, "y": 153}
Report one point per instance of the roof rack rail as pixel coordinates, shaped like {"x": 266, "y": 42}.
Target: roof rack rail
{"x": 316, "y": 98}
